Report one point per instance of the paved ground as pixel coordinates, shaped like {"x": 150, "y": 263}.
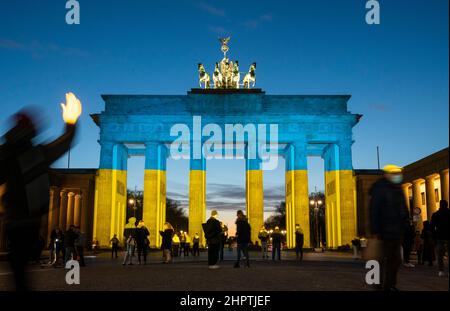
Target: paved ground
{"x": 319, "y": 271}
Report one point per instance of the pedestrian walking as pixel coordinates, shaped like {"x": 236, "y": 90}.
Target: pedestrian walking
{"x": 80, "y": 244}
{"x": 299, "y": 241}
{"x": 114, "y": 246}
{"x": 166, "y": 244}
{"x": 263, "y": 236}
{"x": 187, "y": 245}
{"x": 69, "y": 244}
{"x": 175, "y": 245}
{"x": 276, "y": 236}
{"x": 213, "y": 231}
{"x": 196, "y": 245}
{"x": 440, "y": 228}
{"x": 243, "y": 238}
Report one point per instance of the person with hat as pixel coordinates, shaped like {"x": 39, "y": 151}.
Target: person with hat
{"x": 213, "y": 231}
{"x": 388, "y": 220}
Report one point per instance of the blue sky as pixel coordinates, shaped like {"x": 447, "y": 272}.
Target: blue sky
{"x": 396, "y": 72}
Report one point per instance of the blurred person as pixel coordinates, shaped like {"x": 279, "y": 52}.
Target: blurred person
{"x": 187, "y": 245}
{"x": 263, "y": 236}
{"x": 418, "y": 247}
{"x": 114, "y": 246}
{"x": 299, "y": 241}
{"x": 196, "y": 245}
{"x": 223, "y": 240}
{"x": 407, "y": 244}
{"x": 243, "y": 238}
{"x": 56, "y": 245}
{"x": 80, "y": 244}
{"x": 69, "y": 244}
{"x": 166, "y": 244}
{"x": 130, "y": 246}
{"x": 428, "y": 243}
{"x": 388, "y": 219}
{"x": 24, "y": 174}
{"x": 213, "y": 231}
{"x": 182, "y": 243}
{"x": 175, "y": 245}
{"x": 276, "y": 236}
{"x": 440, "y": 227}
{"x": 95, "y": 246}
{"x": 142, "y": 242}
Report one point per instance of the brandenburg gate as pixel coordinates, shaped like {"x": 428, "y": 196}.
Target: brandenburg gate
{"x": 308, "y": 125}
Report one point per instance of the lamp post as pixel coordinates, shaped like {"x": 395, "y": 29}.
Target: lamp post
{"x": 132, "y": 202}
{"x": 316, "y": 203}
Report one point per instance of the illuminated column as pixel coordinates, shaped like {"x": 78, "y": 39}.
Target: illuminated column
{"x": 405, "y": 188}
{"x": 77, "y": 210}
{"x": 154, "y": 214}
{"x": 417, "y": 201}
{"x": 339, "y": 194}
{"x": 296, "y": 192}
{"x": 63, "y": 210}
{"x": 444, "y": 184}
{"x": 197, "y": 196}
{"x": 430, "y": 195}
{"x": 110, "y": 192}
{"x": 70, "y": 209}
{"x": 53, "y": 211}
{"x": 254, "y": 193}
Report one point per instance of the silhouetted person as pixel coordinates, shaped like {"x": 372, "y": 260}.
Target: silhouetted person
{"x": 166, "y": 244}
{"x": 114, "y": 246}
{"x": 428, "y": 243}
{"x": 407, "y": 244}
{"x": 389, "y": 218}
{"x": 56, "y": 245}
{"x": 223, "y": 240}
{"x": 299, "y": 241}
{"x": 440, "y": 226}
{"x": 213, "y": 231}
{"x": 80, "y": 244}
{"x": 263, "y": 236}
{"x": 24, "y": 169}
{"x": 142, "y": 242}
{"x": 69, "y": 244}
{"x": 243, "y": 238}
{"x": 418, "y": 246}
{"x": 187, "y": 245}
{"x": 276, "y": 236}
{"x": 196, "y": 245}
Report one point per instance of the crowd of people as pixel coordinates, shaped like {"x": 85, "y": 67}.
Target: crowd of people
{"x": 68, "y": 245}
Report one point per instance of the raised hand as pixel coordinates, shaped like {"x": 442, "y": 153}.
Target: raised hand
{"x": 72, "y": 108}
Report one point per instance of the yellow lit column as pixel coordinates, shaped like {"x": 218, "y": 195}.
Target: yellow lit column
{"x": 417, "y": 202}
{"x": 53, "y": 211}
{"x": 405, "y": 188}
{"x": 444, "y": 184}
{"x": 296, "y": 192}
{"x": 197, "y": 197}
{"x": 70, "y": 209}
{"x": 63, "y": 210}
{"x": 430, "y": 195}
{"x": 254, "y": 195}
{"x": 154, "y": 214}
{"x": 77, "y": 210}
{"x": 110, "y": 192}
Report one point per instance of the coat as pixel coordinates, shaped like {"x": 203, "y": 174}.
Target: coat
{"x": 213, "y": 231}
{"x": 243, "y": 231}
{"x": 166, "y": 238}
{"x": 439, "y": 224}
{"x": 388, "y": 214}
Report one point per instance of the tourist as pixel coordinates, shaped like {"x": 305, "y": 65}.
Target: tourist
{"x": 114, "y": 246}
{"x": 166, "y": 244}
{"x": 69, "y": 243}
{"x": 213, "y": 231}
{"x": 196, "y": 245}
{"x": 130, "y": 246}
{"x": 243, "y": 238}
{"x": 56, "y": 245}
{"x": 407, "y": 244}
{"x": 388, "y": 218}
{"x": 187, "y": 245}
{"x": 26, "y": 199}
{"x": 263, "y": 236}
{"x": 440, "y": 227}
{"x": 182, "y": 243}
{"x": 80, "y": 243}
{"x": 223, "y": 240}
{"x": 276, "y": 236}
{"x": 175, "y": 245}
{"x": 142, "y": 241}
{"x": 428, "y": 244}
{"x": 299, "y": 241}
{"x": 418, "y": 247}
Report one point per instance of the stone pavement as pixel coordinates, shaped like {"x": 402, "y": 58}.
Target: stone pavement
{"x": 328, "y": 271}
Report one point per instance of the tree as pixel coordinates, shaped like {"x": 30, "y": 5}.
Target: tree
{"x": 279, "y": 217}
{"x": 176, "y": 216}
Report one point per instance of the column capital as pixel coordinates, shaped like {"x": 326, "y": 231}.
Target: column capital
{"x": 71, "y": 194}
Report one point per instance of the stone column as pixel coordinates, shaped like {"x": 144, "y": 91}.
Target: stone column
{"x": 63, "y": 210}
{"x": 77, "y": 210}
{"x": 430, "y": 195}
{"x": 405, "y": 188}
{"x": 53, "y": 210}
{"x": 70, "y": 209}
{"x": 254, "y": 194}
{"x": 154, "y": 213}
{"x": 197, "y": 198}
{"x": 417, "y": 201}
{"x": 444, "y": 184}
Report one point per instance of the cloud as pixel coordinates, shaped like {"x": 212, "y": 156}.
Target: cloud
{"x": 256, "y": 22}
{"x": 210, "y": 9}
{"x": 39, "y": 49}
{"x": 217, "y": 29}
